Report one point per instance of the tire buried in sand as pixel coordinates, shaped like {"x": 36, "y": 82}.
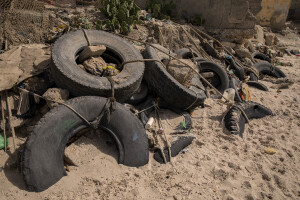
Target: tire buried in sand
{"x": 42, "y": 158}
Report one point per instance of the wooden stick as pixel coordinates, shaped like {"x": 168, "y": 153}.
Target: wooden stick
{"x": 3, "y": 119}
{"x": 12, "y": 129}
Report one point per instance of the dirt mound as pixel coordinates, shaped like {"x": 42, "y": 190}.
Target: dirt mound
{"x": 24, "y": 21}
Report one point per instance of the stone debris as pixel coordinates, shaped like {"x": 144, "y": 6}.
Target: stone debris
{"x": 91, "y": 51}
{"x": 180, "y": 72}
{"x": 56, "y": 94}
{"x": 94, "y": 65}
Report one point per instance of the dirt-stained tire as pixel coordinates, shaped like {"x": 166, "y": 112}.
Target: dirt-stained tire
{"x": 68, "y": 75}
{"x": 185, "y": 53}
{"x": 257, "y": 85}
{"x": 139, "y": 95}
{"x": 260, "y": 56}
{"x": 266, "y": 69}
{"x": 220, "y": 81}
{"x": 234, "y": 120}
{"x": 167, "y": 87}
{"x": 42, "y": 158}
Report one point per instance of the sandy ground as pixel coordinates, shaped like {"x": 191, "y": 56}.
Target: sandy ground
{"x": 216, "y": 165}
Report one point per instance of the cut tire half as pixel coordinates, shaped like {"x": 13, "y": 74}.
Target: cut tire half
{"x": 167, "y": 87}
{"x": 266, "y": 69}
{"x": 68, "y": 75}
{"x": 260, "y": 56}
{"x": 42, "y": 158}
{"x": 257, "y": 85}
{"x": 235, "y": 120}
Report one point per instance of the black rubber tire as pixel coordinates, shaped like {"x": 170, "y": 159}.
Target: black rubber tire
{"x": 68, "y": 75}
{"x": 167, "y": 87}
{"x": 185, "y": 53}
{"x": 235, "y": 121}
{"x": 257, "y": 85}
{"x": 260, "y": 56}
{"x": 42, "y": 159}
{"x": 266, "y": 69}
{"x": 139, "y": 96}
{"x": 269, "y": 69}
{"x": 220, "y": 80}
{"x": 238, "y": 70}
{"x": 176, "y": 147}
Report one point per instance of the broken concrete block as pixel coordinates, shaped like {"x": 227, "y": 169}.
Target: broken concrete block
{"x": 91, "y": 51}
{"x": 56, "y": 94}
{"x": 248, "y": 61}
{"x": 259, "y": 34}
{"x": 180, "y": 72}
{"x": 242, "y": 52}
{"x": 229, "y": 46}
{"x": 249, "y": 45}
{"x": 94, "y": 65}
{"x": 270, "y": 39}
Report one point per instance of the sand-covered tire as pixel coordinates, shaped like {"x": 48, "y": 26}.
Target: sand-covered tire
{"x": 257, "y": 85}
{"x": 220, "y": 81}
{"x": 68, "y": 75}
{"x": 185, "y": 53}
{"x": 167, "y": 87}
{"x": 42, "y": 158}
{"x": 266, "y": 69}
{"x": 234, "y": 119}
{"x": 260, "y": 56}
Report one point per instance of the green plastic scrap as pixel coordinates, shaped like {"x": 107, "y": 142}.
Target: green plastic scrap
{"x": 2, "y": 146}
{"x": 183, "y": 124}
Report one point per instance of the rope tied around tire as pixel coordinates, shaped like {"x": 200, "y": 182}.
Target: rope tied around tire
{"x": 108, "y": 108}
{"x": 243, "y": 112}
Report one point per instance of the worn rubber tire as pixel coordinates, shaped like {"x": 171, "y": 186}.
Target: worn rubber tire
{"x": 68, "y": 75}
{"x": 42, "y": 158}
{"x": 221, "y": 81}
{"x": 266, "y": 69}
{"x": 176, "y": 147}
{"x": 235, "y": 121}
{"x": 185, "y": 53}
{"x": 140, "y": 95}
{"x": 257, "y": 85}
{"x": 166, "y": 86}
{"x": 260, "y": 56}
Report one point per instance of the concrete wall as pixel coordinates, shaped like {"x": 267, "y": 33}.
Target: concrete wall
{"x": 217, "y": 13}
{"x": 234, "y": 14}
{"x": 273, "y": 13}
{"x": 294, "y": 13}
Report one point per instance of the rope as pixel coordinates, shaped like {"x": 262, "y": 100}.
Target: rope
{"x": 243, "y": 112}
{"x": 165, "y": 136}
{"x": 173, "y": 57}
{"x": 86, "y": 37}
{"x": 109, "y": 104}
{"x": 139, "y": 60}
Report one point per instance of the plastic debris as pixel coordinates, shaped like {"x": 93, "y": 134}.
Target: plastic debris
{"x": 2, "y": 146}
{"x": 270, "y": 151}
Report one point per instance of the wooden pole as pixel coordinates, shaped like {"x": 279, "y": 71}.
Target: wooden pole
{"x": 3, "y": 119}
{"x": 12, "y": 129}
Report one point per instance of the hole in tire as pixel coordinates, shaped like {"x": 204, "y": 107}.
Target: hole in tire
{"x": 88, "y": 147}
{"x": 108, "y": 58}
